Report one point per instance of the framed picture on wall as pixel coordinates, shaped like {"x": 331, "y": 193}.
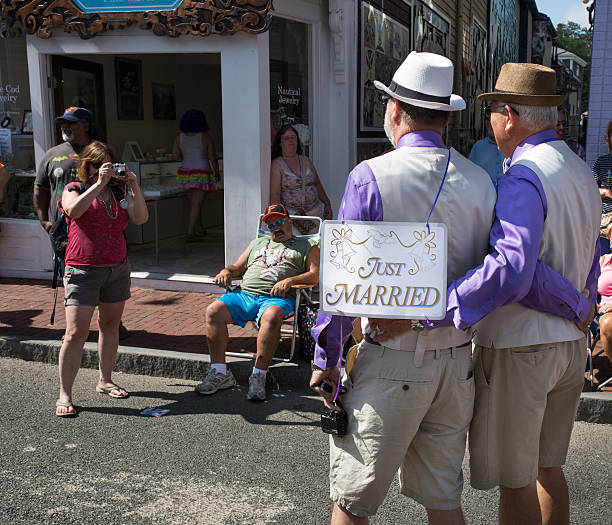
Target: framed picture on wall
{"x": 26, "y": 123}
{"x": 128, "y": 75}
{"x": 384, "y": 42}
{"x": 164, "y": 102}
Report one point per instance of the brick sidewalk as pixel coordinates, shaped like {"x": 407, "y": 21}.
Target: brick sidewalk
{"x": 156, "y": 319}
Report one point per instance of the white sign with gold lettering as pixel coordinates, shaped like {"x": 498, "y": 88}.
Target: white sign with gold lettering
{"x": 383, "y": 269}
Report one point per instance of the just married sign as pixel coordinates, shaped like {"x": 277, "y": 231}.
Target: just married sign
{"x": 383, "y": 269}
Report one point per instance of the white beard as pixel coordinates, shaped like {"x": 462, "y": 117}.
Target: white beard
{"x": 388, "y": 128}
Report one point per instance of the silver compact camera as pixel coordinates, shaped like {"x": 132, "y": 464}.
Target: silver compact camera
{"x": 119, "y": 169}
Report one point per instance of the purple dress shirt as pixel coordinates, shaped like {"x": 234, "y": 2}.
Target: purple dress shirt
{"x": 511, "y": 272}
{"x": 515, "y": 239}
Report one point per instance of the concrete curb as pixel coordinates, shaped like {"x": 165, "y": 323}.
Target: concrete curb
{"x": 161, "y": 363}
{"x": 594, "y": 407}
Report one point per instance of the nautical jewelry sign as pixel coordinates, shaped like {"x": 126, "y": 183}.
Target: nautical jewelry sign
{"x": 383, "y": 269}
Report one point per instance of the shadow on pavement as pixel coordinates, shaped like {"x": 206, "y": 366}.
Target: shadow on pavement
{"x": 19, "y": 318}
{"x": 230, "y": 401}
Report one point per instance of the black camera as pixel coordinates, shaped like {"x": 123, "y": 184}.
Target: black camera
{"x": 334, "y": 422}
{"x": 119, "y": 169}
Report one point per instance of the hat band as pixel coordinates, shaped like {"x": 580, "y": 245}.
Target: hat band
{"x": 522, "y": 93}
{"x": 410, "y": 93}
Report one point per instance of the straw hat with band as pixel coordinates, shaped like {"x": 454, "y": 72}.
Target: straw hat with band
{"x": 424, "y": 80}
{"x": 528, "y": 84}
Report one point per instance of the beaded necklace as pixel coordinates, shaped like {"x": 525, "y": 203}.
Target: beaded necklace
{"x": 109, "y": 205}
{"x": 277, "y": 260}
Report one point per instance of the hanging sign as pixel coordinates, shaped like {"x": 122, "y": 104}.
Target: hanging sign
{"x": 125, "y": 6}
{"x": 383, "y": 269}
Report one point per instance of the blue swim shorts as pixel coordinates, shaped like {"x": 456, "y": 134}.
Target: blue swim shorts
{"x": 245, "y": 306}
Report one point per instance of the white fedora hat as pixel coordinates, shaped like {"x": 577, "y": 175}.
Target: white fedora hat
{"x": 424, "y": 80}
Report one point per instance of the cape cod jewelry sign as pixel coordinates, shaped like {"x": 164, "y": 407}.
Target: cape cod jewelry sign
{"x": 383, "y": 269}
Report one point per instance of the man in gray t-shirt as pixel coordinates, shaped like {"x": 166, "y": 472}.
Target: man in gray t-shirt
{"x": 59, "y": 165}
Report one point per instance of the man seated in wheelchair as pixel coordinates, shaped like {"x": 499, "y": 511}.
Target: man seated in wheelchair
{"x": 269, "y": 268}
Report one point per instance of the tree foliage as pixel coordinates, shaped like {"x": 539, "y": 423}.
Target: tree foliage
{"x": 578, "y": 40}
{"x": 575, "y": 38}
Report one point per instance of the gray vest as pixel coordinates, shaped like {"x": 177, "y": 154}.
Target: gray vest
{"x": 408, "y": 179}
{"x": 571, "y": 229}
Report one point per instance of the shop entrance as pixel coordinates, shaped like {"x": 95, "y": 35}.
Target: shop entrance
{"x": 139, "y": 116}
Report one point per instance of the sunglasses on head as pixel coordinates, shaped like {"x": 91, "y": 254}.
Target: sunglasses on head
{"x": 277, "y": 224}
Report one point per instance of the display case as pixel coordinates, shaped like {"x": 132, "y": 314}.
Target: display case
{"x": 18, "y": 199}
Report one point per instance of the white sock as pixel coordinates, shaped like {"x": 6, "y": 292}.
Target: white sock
{"x": 219, "y": 368}
{"x": 259, "y": 371}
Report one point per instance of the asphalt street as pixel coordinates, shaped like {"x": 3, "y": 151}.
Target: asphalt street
{"x": 216, "y": 460}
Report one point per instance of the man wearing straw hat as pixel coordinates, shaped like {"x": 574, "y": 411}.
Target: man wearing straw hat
{"x": 409, "y": 411}
{"x": 528, "y": 364}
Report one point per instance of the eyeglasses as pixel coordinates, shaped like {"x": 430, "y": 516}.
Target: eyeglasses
{"x": 497, "y": 109}
{"x": 287, "y": 138}
{"x": 96, "y": 165}
{"x": 277, "y": 224}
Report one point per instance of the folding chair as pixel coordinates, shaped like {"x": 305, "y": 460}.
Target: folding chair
{"x": 303, "y": 291}
{"x": 593, "y": 337}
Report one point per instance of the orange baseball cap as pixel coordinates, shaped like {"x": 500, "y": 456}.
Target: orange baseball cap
{"x": 275, "y": 209}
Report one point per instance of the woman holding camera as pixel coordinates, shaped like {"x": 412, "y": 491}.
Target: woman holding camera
{"x": 97, "y": 270}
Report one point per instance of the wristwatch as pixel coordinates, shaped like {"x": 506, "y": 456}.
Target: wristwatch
{"x": 416, "y": 326}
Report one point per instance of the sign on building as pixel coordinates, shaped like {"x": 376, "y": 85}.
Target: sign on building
{"x": 125, "y": 6}
{"x": 383, "y": 269}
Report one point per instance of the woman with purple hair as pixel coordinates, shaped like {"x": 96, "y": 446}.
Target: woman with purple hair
{"x": 195, "y": 149}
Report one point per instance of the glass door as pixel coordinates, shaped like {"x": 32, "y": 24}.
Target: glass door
{"x": 290, "y": 78}
{"x": 80, "y": 83}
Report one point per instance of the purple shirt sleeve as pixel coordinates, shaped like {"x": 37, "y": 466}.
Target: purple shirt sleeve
{"x": 554, "y": 294}
{"x": 361, "y": 202}
{"x": 507, "y": 272}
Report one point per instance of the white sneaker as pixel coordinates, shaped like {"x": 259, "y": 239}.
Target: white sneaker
{"x": 257, "y": 387}
{"x": 215, "y": 381}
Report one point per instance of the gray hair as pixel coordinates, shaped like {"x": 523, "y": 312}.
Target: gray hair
{"x": 416, "y": 115}
{"x": 535, "y": 117}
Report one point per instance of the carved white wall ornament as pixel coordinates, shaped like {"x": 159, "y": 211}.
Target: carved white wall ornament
{"x": 338, "y": 32}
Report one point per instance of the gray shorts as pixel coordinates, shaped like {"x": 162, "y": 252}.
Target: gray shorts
{"x": 407, "y": 419}
{"x": 526, "y": 403}
{"x": 90, "y": 285}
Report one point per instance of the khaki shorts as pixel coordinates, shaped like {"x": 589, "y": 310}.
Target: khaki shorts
{"x": 90, "y": 285}
{"x": 526, "y": 403}
{"x": 407, "y": 419}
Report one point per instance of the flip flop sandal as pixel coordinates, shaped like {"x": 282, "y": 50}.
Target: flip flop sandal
{"x": 109, "y": 391}
{"x": 65, "y": 404}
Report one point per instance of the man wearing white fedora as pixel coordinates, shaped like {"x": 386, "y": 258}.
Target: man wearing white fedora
{"x": 530, "y": 355}
{"x": 409, "y": 411}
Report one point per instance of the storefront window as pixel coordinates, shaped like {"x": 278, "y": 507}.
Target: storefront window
{"x": 289, "y": 77}
{"x": 16, "y": 143}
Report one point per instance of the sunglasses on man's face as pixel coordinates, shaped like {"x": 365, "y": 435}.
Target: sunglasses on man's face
{"x": 277, "y": 224}
{"x": 383, "y": 98}
{"x": 499, "y": 108}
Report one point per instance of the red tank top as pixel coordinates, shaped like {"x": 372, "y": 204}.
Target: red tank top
{"x": 95, "y": 239}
